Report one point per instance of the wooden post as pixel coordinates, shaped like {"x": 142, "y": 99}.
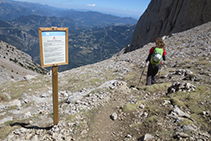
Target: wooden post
{"x": 53, "y": 55}
{"x": 55, "y": 94}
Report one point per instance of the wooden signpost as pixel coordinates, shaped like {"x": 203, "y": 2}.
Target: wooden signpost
{"x": 54, "y": 52}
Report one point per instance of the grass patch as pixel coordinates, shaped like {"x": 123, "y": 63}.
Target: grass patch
{"x": 12, "y": 107}
{"x": 204, "y": 62}
{"x": 95, "y": 81}
{"x": 165, "y": 134}
{"x": 177, "y": 101}
{"x": 153, "y": 119}
{"x": 91, "y": 115}
{"x": 3, "y": 97}
{"x": 150, "y": 124}
{"x": 154, "y": 107}
{"x": 6, "y": 130}
{"x": 129, "y": 107}
{"x": 15, "y": 90}
{"x": 196, "y": 102}
{"x": 185, "y": 122}
{"x": 161, "y": 73}
{"x": 87, "y": 80}
{"x": 192, "y": 100}
{"x": 163, "y": 87}
{"x": 70, "y": 117}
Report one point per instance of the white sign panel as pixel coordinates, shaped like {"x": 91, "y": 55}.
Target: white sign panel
{"x": 53, "y": 47}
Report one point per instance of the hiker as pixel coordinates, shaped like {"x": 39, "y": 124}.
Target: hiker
{"x": 155, "y": 57}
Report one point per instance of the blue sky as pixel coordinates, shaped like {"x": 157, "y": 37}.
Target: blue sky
{"x": 132, "y": 8}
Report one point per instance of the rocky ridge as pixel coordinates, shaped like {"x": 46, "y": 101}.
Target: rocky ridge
{"x": 16, "y": 64}
{"x": 102, "y": 102}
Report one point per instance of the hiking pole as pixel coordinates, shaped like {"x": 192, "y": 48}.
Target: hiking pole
{"x": 142, "y": 73}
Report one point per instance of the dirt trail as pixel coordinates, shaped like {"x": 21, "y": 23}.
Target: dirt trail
{"x": 103, "y": 127}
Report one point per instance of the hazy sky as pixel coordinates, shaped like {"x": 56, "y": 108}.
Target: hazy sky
{"x": 133, "y": 8}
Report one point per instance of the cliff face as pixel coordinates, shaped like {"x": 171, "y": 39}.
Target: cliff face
{"x": 164, "y": 17}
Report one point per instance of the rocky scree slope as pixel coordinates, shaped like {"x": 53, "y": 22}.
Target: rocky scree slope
{"x": 15, "y": 64}
{"x": 164, "y": 17}
{"x": 101, "y": 101}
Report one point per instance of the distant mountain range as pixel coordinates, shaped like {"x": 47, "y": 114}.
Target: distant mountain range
{"x": 11, "y": 10}
{"x": 93, "y": 36}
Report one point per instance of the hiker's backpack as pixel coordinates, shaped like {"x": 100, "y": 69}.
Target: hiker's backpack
{"x": 157, "y": 56}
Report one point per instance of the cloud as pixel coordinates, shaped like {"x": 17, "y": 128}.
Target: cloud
{"x": 92, "y": 5}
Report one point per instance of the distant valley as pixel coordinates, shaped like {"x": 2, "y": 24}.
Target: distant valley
{"x": 93, "y": 36}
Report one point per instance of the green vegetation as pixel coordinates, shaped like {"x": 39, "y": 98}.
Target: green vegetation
{"x": 129, "y": 107}
{"x": 6, "y": 130}
{"x": 23, "y": 86}
{"x": 3, "y": 97}
{"x": 157, "y": 87}
{"x": 191, "y": 100}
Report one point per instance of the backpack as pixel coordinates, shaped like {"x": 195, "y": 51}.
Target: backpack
{"x": 157, "y": 56}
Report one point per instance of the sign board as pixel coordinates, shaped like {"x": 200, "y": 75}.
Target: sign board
{"x": 53, "y": 46}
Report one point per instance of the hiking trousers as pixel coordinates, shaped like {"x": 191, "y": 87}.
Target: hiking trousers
{"x": 151, "y": 73}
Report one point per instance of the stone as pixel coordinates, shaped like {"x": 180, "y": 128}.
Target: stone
{"x": 148, "y": 137}
{"x": 15, "y": 102}
{"x": 142, "y": 106}
{"x": 46, "y": 94}
{"x": 166, "y": 102}
{"x": 9, "y": 118}
{"x": 27, "y": 115}
{"x": 28, "y": 136}
{"x": 145, "y": 114}
{"x": 181, "y": 134}
{"x": 181, "y": 86}
{"x": 180, "y": 113}
{"x": 29, "y": 77}
{"x": 64, "y": 93}
{"x": 8, "y": 96}
{"x": 113, "y": 116}
{"x": 128, "y": 136}
{"x": 35, "y": 138}
{"x": 187, "y": 128}
{"x": 205, "y": 134}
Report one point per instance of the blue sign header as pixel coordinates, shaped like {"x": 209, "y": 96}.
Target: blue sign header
{"x": 53, "y": 33}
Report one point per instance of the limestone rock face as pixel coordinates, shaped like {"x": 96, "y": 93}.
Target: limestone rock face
{"x": 164, "y": 17}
